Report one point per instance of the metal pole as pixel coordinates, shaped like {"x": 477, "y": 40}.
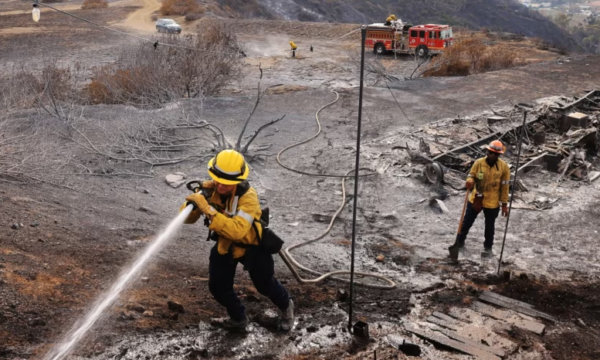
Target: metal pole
{"x": 356, "y": 170}
{"x": 512, "y": 190}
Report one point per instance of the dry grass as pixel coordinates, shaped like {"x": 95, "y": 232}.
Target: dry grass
{"x": 194, "y": 16}
{"x": 94, "y": 4}
{"x": 180, "y": 7}
{"x": 472, "y": 56}
{"x": 540, "y": 44}
{"x": 145, "y": 76}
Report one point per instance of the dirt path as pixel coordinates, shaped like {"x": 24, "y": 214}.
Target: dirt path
{"x": 141, "y": 20}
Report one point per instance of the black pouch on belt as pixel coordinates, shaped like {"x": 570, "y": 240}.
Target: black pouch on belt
{"x": 269, "y": 241}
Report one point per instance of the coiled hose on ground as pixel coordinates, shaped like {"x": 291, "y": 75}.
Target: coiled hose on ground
{"x": 285, "y": 253}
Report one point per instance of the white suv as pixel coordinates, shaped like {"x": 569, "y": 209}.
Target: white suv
{"x": 167, "y": 26}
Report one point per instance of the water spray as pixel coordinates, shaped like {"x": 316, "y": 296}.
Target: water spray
{"x": 82, "y": 327}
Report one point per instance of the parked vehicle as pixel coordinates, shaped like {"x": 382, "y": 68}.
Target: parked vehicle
{"x": 168, "y": 26}
{"x": 401, "y": 38}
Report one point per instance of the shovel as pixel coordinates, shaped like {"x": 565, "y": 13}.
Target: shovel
{"x": 454, "y": 249}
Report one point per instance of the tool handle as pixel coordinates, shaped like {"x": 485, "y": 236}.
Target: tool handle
{"x": 462, "y": 216}
{"x": 192, "y": 188}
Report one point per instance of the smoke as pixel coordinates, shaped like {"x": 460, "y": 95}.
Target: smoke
{"x": 270, "y": 45}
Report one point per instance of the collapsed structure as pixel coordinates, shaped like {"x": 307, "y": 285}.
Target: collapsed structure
{"x": 561, "y": 136}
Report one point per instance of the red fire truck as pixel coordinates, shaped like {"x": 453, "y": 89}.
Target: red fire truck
{"x": 401, "y": 38}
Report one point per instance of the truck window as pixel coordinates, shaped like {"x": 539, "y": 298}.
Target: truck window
{"x": 432, "y": 34}
{"x": 437, "y": 35}
{"x": 413, "y": 33}
{"x": 422, "y": 34}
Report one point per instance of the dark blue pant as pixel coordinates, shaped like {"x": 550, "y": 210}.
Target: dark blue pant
{"x": 490, "y": 221}
{"x": 261, "y": 268}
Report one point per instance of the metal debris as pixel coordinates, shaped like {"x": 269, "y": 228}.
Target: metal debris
{"x": 563, "y": 139}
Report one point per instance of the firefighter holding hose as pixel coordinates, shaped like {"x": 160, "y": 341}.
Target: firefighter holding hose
{"x": 232, "y": 208}
{"x": 489, "y": 179}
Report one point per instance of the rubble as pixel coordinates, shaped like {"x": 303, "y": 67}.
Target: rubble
{"x": 562, "y": 139}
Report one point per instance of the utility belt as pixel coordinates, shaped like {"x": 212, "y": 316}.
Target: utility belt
{"x": 269, "y": 241}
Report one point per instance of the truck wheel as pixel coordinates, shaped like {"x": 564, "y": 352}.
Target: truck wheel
{"x": 380, "y": 49}
{"x": 422, "y": 51}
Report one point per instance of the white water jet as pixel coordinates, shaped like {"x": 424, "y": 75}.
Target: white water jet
{"x": 61, "y": 350}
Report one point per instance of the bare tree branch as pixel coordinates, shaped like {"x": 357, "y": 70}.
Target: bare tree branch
{"x": 245, "y": 148}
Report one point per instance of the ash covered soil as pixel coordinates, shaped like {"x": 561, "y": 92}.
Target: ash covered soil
{"x": 69, "y": 244}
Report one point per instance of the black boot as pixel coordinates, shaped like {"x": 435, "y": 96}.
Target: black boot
{"x": 230, "y": 324}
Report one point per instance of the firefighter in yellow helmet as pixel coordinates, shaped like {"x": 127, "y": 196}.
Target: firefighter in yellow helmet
{"x": 389, "y": 20}
{"x": 232, "y": 207}
{"x": 489, "y": 179}
{"x": 293, "y": 46}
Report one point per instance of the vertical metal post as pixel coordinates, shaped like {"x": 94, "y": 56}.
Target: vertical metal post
{"x": 356, "y": 171}
{"x": 512, "y": 190}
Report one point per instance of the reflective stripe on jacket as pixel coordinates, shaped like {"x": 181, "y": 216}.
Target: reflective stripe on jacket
{"x": 233, "y": 223}
{"x": 492, "y": 182}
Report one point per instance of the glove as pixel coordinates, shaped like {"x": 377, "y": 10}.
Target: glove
{"x": 504, "y": 210}
{"x": 201, "y": 204}
{"x": 470, "y": 184}
{"x": 193, "y": 216}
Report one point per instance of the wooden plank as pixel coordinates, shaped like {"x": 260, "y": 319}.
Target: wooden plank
{"x": 520, "y": 309}
{"x": 585, "y": 97}
{"x": 455, "y": 336}
{"x": 507, "y": 299}
{"x": 523, "y": 310}
{"x": 510, "y": 317}
{"x": 534, "y": 162}
{"x": 448, "y": 319}
{"x": 440, "y": 322}
{"x": 484, "y": 140}
{"x": 456, "y": 345}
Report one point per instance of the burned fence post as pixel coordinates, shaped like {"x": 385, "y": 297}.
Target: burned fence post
{"x": 512, "y": 190}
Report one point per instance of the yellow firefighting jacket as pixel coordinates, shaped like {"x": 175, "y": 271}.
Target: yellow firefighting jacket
{"x": 492, "y": 182}
{"x": 233, "y": 223}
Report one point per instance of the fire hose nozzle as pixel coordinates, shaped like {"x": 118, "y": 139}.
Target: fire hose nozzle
{"x": 194, "y": 206}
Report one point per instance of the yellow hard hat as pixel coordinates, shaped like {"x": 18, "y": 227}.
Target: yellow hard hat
{"x": 228, "y": 168}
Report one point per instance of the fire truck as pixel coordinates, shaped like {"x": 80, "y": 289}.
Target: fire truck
{"x": 397, "y": 37}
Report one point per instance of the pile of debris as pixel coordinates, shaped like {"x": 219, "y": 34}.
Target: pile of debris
{"x": 558, "y": 137}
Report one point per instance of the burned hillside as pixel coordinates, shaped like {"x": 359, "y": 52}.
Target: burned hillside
{"x": 88, "y": 187}
{"x": 496, "y": 15}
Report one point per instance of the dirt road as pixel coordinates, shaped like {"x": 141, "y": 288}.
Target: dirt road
{"x": 141, "y": 20}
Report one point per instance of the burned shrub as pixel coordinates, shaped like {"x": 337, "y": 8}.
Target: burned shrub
{"x": 94, "y": 4}
{"x": 540, "y": 44}
{"x": 472, "y": 56}
{"x": 180, "y": 7}
{"x": 149, "y": 76}
{"x": 193, "y": 16}
{"x": 25, "y": 88}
